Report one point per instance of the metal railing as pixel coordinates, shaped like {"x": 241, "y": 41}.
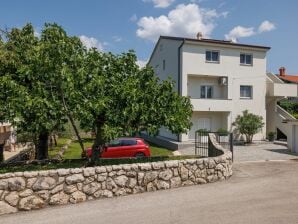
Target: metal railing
{"x": 202, "y": 143}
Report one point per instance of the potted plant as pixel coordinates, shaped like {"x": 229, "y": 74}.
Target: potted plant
{"x": 202, "y": 135}
{"x": 271, "y": 136}
{"x": 223, "y": 135}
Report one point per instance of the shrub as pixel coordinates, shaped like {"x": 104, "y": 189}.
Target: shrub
{"x": 248, "y": 124}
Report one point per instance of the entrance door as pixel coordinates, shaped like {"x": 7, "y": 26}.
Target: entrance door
{"x": 204, "y": 123}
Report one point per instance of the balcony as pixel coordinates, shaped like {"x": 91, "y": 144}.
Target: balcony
{"x": 213, "y": 104}
{"x": 277, "y": 88}
{"x": 282, "y": 90}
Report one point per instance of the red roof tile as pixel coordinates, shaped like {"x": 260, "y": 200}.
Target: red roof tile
{"x": 290, "y": 78}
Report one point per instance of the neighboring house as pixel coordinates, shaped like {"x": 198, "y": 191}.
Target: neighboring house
{"x": 222, "y": 78}
{"x": 288, "y": 79}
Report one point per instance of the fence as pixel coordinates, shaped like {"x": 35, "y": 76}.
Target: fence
{"x": 202, "y": 143}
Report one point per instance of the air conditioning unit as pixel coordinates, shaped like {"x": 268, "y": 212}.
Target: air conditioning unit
{"x": 223, "y": 81}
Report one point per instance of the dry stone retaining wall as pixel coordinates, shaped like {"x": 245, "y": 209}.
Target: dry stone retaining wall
{"x": 34, "y": 190}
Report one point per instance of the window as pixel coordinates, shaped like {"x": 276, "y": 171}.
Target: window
{"x": 245, "y": 59}
{"x": 128, "y": 142}
{"x": 212, "y": 56}
{"x": 163, "y": 64}
{"x": 206, "y": 92}
{"x": 246, "y": 92}
{"x": 114, "y": 143}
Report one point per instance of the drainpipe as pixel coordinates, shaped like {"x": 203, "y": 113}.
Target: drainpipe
{"x": 179, "y": 75}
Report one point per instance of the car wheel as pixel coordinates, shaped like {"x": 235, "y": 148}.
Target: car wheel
{"x": 140, "y": 155}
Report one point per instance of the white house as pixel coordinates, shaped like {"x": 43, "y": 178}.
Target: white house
{"x": 222, "y": 78}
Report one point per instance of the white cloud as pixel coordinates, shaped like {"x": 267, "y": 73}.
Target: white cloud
{"x": 141, "y": 63}
{"x": 133, "y": 18}
{"x": 117, "y": 38}
{"x": 90, "y": 42}
{"x": 184, "y": 20}
{"x": 160, "y": 3}
{"x": 37, "y": 34}
{"x": 266, "y": 26}
{"x": 240, "y": 31}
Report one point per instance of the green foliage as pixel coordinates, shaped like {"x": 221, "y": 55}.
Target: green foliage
{"x": 35, "y": 76}
{"x": 223, "y": 132}
{"x": 290, "y": 106}
{"x": 46, "y": 81}
{"x": 248, "y": 124}
{"x": 203, "y": 132}
{"x": 271, "y": 136}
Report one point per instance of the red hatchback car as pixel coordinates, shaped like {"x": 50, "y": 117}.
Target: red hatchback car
{"x": 124, "y": 147}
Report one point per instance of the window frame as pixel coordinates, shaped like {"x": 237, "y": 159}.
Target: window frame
{"x": 211, "y": 61}
{"x": 251, "y": 92}
{"x": 246, "y": 54}
{"x": 206, "y": 91}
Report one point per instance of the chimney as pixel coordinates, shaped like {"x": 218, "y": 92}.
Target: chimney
{"x": 199, "y": 36}
{"x": 282, "y": 71}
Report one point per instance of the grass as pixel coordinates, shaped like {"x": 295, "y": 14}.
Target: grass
{"x": 55, "y": 150}
{"x": 159, "y": 151}
{"x": 72, "y": 158}
{"x": 74, "y": 150}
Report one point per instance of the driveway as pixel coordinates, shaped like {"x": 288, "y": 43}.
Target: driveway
{"x": 260, "y": 151}
{"x": 258, "y": 192}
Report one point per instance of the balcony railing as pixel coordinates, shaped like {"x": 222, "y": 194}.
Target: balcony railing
{"x": 212, "y": 104}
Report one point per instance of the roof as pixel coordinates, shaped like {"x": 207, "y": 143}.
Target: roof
{"x": 289, "y": 78}
{"x": 214, "y": 41}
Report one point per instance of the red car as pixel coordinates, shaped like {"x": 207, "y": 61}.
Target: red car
{"x": 124, "y": 147}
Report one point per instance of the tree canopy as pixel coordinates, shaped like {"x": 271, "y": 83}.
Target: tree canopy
{"x": 48, "y": 79}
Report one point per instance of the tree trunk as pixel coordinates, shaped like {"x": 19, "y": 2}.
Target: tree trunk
{"x": 55, "y": 140}
{"x": 99, "y": 142}
{"x": 1, "y": 153}
{"x": 42, "y": 150}
{"x": 73, "y": 124}
{"x": 77, "y": 133}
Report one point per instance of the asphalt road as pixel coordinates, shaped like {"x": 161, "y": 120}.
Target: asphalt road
{"x": 258, "y": 192}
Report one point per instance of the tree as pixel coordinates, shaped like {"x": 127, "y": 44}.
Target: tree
{"x": 248, "y": 124}
{"x": 37, "y": 74}
{"x": 118, "y": 98}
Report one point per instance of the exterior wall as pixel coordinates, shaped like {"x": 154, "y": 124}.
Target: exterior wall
{"x": 194, "y": 64}
{"x": 163, "y": 132}
{"x": 217, "y": 120}
{"x": 24, "y": 191}
{"x": 195, "y": 83}
{"x": 166, "y": 50}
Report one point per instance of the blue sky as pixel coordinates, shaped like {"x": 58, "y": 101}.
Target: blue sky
{"x": 120, "y": 25}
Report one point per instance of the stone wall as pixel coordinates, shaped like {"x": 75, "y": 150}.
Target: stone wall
{"x": 22, "y": 191}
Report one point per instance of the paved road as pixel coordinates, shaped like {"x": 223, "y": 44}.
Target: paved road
{"x": 258, "y": 192}
{"x": 256, "y": 152}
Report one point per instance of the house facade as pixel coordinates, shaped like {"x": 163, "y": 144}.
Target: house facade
{"x": 221, "y": 78}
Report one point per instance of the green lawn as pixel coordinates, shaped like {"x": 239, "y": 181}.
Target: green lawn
{"x": 74, "y": 150}
{"x": 60, "y": 143}
{"x": 159, "y": 151}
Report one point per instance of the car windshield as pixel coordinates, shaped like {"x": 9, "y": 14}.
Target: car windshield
{"x": 114, "y": 143}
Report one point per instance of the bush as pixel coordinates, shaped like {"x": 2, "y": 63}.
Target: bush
{"x": 271, "y": 136}
{"x": 222, "y": 132}
{"x": 248, "y": 124}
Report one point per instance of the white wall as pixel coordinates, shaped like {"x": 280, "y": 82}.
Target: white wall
{"x": 166, "y": 50}
{"x": 194, "y": 64}
{"x": 218, "y": 120}
{"x": 195, "y": 83}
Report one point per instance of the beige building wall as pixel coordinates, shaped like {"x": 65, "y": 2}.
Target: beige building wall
{"x": 194, "y": 64}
